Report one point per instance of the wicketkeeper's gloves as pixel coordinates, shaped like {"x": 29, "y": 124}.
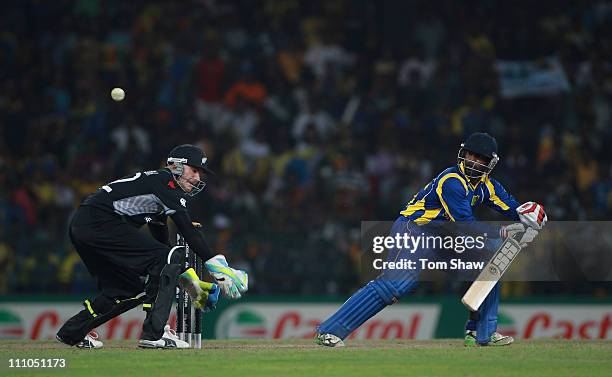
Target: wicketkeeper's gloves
{"x": 232, "y": 282}
{"x": 209, "y": 302}
{"x": 203, "y": 294}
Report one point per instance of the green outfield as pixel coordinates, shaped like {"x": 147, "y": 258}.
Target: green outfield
{"x": 295, "y": 358}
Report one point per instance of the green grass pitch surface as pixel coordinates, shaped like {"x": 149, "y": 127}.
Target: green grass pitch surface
{"x": 295, "y": 358}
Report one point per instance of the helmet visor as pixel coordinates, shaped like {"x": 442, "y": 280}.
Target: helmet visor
{"x": 474, "y": 168}
{"x": 189, "y": 184}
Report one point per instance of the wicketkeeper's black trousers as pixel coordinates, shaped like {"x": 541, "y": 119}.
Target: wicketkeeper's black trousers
{"x": 120, "y": 257}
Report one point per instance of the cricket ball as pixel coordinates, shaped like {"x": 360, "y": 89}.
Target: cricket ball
{"x": 117, "y": 94}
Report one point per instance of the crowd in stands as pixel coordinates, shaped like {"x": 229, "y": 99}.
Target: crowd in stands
{"x": 315, "y": 115}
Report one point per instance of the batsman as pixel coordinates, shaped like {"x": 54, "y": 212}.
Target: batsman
{"x": 134, "y": 268}
{"x": 449, "y": 197}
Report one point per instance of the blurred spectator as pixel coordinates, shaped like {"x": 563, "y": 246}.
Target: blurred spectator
{"x": 312, "y": 115}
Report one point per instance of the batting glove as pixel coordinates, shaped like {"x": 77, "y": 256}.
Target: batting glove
{"x": 232, "y": 282}
{"x": 511, "y": 230}
{"x": 529, "y": 235}
{"x": 532, "y": 215}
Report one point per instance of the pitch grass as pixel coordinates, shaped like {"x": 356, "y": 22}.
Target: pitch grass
{"x": 296, "y": 358}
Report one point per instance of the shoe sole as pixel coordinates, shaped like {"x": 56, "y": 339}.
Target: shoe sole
{"x": 491, "y": 344}
{"x": 78, "y": 345}
{"x": 148, "y": 346}
{"x": 155, "y": 346}
{"x": 322, "y": 343}
{"x": 88, "y": 347}
{"x": 502, "y": 343}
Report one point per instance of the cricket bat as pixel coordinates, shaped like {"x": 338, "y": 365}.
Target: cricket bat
{"x": 491, "y": 273}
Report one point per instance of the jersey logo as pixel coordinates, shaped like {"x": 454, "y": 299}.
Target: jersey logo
{"x": 183, "y": 202}
{"x": 148, "y": 219}
{"x": 475, "y": 198}
{"x": 171, "y": 184}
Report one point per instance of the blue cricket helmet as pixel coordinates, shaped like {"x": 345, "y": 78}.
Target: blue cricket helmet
{"x": 481, "y": 143}
{"x": 484, "y": 146}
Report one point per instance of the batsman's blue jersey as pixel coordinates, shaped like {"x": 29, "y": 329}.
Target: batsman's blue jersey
{"x": 451, "y": 197}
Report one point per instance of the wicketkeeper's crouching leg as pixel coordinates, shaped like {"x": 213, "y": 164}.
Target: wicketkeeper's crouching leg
{"x": 160, "y": 293}
{"x": 75, "y": 331}
{"x": 123, "y": 290}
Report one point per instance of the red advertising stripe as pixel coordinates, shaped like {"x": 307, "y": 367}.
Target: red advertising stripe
{"x": 14, "y": 331}
{"x": 261, "y": 331}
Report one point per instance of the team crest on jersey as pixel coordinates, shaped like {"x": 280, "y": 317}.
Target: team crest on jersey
{"x": 475, "y": 198}
{"x": 183, "y": 202}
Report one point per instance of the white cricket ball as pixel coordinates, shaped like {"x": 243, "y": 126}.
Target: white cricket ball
{"x": 117, "y": 94}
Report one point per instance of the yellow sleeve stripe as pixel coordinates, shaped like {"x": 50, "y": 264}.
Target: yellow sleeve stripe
{"x": 426, "y": 217}
{"x": 88, "y": 305}
{"x": 429, "y": 215}
{"x": 494, "y": 198}
{"x": 412, "y": 208}
{"x": 439, "y": 191}
{"x": 146, "y": 305}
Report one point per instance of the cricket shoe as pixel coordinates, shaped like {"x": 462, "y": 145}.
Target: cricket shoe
{"x": 90, "y": 341}
{"x": 328, "y": 340}
{"x": 496, "y": 339}
{"x": 168, "y": 341}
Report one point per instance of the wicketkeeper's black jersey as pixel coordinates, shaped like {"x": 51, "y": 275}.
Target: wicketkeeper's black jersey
{"x": 149, "y": 198}
{"x": 145, "y": 197}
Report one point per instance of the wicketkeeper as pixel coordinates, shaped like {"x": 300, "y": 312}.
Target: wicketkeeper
{"x": 133, "y": 268}
{"x": 449, "y": 197}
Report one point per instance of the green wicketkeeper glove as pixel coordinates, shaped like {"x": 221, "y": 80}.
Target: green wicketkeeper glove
{"x": 203, "y": 294}
{"x": 209, "y": 302}
{"x": 231, "y": 281}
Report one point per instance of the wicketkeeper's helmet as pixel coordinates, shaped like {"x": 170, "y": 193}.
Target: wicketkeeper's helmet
{"x": 188, "y": 154}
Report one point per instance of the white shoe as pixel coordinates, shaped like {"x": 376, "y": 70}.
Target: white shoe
{"x": 168, "y": 341}
{"x": 498, "y": 339}
{"x": 90, "y": 341}
{"x": 329, "y": 340}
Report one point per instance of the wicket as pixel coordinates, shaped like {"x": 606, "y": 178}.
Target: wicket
{"x": 188, "y": 317}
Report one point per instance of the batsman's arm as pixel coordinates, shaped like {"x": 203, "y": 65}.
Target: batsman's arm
{"x": 452, "y": 191}
{"x": 499, "y": 199}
